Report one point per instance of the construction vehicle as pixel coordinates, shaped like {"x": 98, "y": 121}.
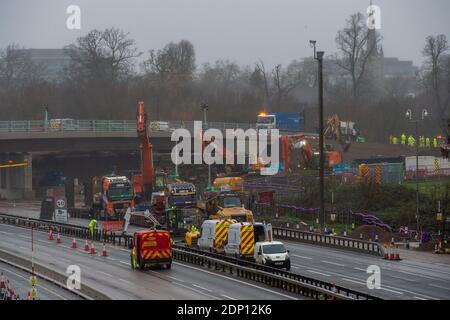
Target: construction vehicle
{"x": 224, "y": 205}
{"x": 143, "y": 183}
{"x": 342, "y": 131}
{"x": 229, "y": 183}
{"x": 112, "y": 195}
{"x": 283, "y": 121}
{"x": 180, "y": 195}
{"x": 298, "y": 152}
{"x": 151, "y": 248}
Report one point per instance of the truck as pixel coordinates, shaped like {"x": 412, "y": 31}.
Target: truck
{"x": 150, "y": 248}
{"x": 112, "y": 195}
{"x": 224, "y": 205}
{"x": 180, "y": 194}
{"x": 284, "y": 121}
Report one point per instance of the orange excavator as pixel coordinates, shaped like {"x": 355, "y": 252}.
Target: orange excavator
{"x": 143, "y": 183}
{"x": 333, "y": 130}
{"x": 297, "y": 151}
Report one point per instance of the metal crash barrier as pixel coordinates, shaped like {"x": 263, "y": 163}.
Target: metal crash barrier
{"x": 284, "y": 280}
{"x": 327, "y": 240}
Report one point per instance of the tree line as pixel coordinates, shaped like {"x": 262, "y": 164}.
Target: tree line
{"x": 104, "y": 80}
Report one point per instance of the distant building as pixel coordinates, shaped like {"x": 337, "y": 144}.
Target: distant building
{"x": 393, "y": 67}
{"x": 54, "y": 61}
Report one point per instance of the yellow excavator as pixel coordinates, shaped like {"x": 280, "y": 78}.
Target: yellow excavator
{"x": 333, "y": 130}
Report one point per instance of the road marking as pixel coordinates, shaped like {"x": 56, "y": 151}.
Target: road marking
{"x": 397, "y": 292}
{"x": 417, "y": 275}
{"x": 350, "y": 280}
{"x": 107, "y": 274}
{"x": 236, "y": 280}
{"x": 24, "y": 248}
{"x": 419, "y": 298}
{"x": 200, "y": 287}
{"x": 360, "y": 269}
{"x": 365, "y": 284}
{"x": 435, "y": 285}
{"x": 409, "y": 280}
{"x": 123, "y": 280}
{"x": 176, "y": 279}
{"x": 127, "y": 263}
{"x": 295, "y": 267}
{"x": 6, "y": 232}
{"x": 333, "y": 263}
{"x": 24, "y": 237}
{"x": 224, "y": 295}
{"x": 303, "y": 257}
{"x": 324, "y": 274}
{"x": 195, "y": 290}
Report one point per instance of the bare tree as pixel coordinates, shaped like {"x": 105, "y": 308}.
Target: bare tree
{"x": 436, "y": 73}
{"x": 262, "y": 81}
{"x": 356, "y": 44}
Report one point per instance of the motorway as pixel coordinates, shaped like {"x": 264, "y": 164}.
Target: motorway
{"x": 20, "y": 282}
{"x": 113, "y": 276}
{"x": 406, "y": 279}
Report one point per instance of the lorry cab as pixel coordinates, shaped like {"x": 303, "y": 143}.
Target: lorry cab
{"x": 273, "y": 254}
{"x": 151, "y": 248}
{"x": 213, "y": 235}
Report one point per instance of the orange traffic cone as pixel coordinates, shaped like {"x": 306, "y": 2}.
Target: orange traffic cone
{"x": 386, "y": 252}
{"x": 391, "y": 254}
{"x": 397, "y": 254}
{"x": 74, "y": 243}
{"x": 104, "y": 253}
{"x": 92, "y": 249}
{"x": 86, "y": 246}
{"x": 58, "y": 238}
{"x": 50, "y": 235}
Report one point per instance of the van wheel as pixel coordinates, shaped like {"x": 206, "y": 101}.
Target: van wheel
{"x": 288, "y": 266}
{"x": 168, "y": 266}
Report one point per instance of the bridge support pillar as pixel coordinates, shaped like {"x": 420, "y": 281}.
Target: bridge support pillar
{"x": 16, "y": 182}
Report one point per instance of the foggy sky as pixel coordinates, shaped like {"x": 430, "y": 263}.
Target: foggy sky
{"x": 243, "y": 31}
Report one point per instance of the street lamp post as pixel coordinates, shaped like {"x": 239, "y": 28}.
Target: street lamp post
{"x": 409, "y": 116}
{"x": 318, "y": 55}
{"x": 205, "y": 108}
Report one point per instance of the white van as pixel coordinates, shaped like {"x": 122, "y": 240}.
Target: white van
{"x": 242, "y": 237}
{"x": 272, "y": 254}
{"x": 213, "y": 234}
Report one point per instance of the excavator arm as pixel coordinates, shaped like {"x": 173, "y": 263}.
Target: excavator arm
{"x": 147, "y": 169}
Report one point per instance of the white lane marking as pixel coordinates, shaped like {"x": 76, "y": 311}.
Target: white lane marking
{"x": 176, "y": 279}
{"x": 109, "y": 258}
{"x": 200, "y": 287}
{"x": 38, "y": 285}
{"x": 417, "y": 275}
{"x": 6, "y": 232}
{"x": 64, "y": 259}
{"x": 294, "y": 267}
{"x": 324, "y": 274}
{"x": 106, "y": 274}
{"x": 302, "y": 257}
{"x": 123, "y": 280}
{"x": 360, "y": 269}
{"x": 195, "y": 290}
{"x": 225, "y": 296}
{"x": 350, "y": 280}
{"x": 333, "y": 263}
{"x": 127, "y": 263}
{"x": 393, "y": 291}
{"x": 404, "y": 279}
{"x": 24, "y": 248}
{"x": 419, "y": 298}
{"x": 437, "y": 286}
{"x": 236, "y": 280}
{"x": 24, "y": 237}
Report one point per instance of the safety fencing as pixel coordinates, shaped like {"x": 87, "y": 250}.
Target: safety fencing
{"x": 331, "y": 241}
{"x": 281, "y": 279}
{"x": 72, "y": 125}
